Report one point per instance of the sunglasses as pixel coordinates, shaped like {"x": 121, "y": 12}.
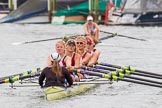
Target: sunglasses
{"x": 80, "y": 43}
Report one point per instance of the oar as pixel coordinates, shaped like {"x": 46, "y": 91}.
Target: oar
{"x": 116, "y": 73}
{"x": 18, "y": 43}
{"x": 13, "y": 78}
{"x": 115, "y": 34}
{"x": 115, "y": 78}
{"x": 92, "y": 82}
{"x": 125, "y": 71}
{"x": 34, "y": 85}
{"x": 21, "y": 74}
{"x": 128, "y": 68}
{"x": 56, "y": 38}
{"x": 106, "y": 37}
{"x": 30, "y": 76}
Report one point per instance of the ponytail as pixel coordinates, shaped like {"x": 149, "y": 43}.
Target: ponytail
{"x": 56, "y": 68}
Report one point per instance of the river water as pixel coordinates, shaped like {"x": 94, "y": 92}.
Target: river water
{"x": 144, "y": 55}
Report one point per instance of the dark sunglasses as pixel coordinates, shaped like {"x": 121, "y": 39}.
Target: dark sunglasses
{"x": 80, "y": 43}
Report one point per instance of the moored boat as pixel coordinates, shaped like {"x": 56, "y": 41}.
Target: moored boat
{"x": 137, "y": 12}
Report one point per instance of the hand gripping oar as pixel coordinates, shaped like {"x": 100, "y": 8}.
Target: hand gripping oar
{"x": 115, "y": 34}
{"x": 124, "y": 71}
{"x": 119, "y": 74}
{"x": 115, "y": 78}
{"x": 128, "y": 68}
{"x": 12, "y": 78}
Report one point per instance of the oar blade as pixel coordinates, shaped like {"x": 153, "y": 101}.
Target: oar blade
{"x": 116, "y": 34}
{"x": 17, "y": 43}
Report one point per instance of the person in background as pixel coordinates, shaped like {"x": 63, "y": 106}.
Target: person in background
{"x": 92, "y": 51}
{"x": 92, "y": 29}
{"x": 55, "y": 75}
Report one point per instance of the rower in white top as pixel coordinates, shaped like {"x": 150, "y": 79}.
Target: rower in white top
{"x": 91, "y": 29}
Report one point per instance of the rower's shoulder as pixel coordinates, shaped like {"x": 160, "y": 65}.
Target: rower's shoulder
{"x": 95, "y": 24}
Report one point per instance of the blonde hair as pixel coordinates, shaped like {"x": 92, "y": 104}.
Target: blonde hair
{"x": 61, "y": 42}
{"x": 56, "y": 68}
{"x": 81, "y": 38}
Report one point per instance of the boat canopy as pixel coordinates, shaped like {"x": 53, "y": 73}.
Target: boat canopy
{"x": 142, "y": 6}
{"x": 82, "y": 9}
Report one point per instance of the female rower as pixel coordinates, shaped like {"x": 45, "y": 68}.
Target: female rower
{"x": 55, "y": 75}
{"x": 92, "y": 51}
{"x": 75, "y": 57}
{"x": 91, "y": 29}
{"x": 63, "y": 59}
{"x": 81, "y": 49}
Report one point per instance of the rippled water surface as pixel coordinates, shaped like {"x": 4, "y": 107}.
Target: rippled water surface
{"x": 144, "y": 55}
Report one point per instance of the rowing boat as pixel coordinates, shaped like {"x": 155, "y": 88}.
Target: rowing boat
{"x": 55, "y": 92}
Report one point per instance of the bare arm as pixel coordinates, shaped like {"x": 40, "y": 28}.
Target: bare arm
{"x": 97, "y": 27}
{"x": 86, "y": 30}
{"x": 86, "y": 59}
{"x": 68, "y": 61}
{"x": 77, "y": 61}
{"x": 94, "y": 58}
{"x": 48, "y": 61}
